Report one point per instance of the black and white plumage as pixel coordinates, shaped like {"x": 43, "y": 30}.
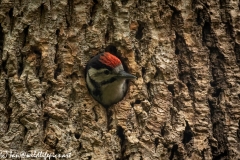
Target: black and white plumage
{"x": 106, "y": 79}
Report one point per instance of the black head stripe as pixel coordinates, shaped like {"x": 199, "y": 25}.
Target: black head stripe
{"x": 94, "y": 83}
{"x": 111, "y": 80}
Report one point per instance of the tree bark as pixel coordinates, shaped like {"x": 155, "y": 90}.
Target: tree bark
{"x": 183, "y": 105}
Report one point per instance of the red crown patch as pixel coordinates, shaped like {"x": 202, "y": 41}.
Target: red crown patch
{"x": 110, "y": 60}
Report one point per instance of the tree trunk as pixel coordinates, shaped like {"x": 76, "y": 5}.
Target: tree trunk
{"x": 183, "y": 105}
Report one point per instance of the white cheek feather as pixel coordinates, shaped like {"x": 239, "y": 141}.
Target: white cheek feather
{"x": 90, "y": 85}
{"x": 98, "y": 75}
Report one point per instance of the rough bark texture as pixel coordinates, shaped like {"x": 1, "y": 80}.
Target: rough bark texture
{"x": 184, "y": 104}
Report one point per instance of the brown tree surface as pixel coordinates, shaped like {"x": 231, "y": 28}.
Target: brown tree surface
{"x": 183, "y": 105}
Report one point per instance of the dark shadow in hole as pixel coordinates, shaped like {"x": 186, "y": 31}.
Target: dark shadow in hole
{"x": 25, "y": 34}
{"x": 42, "y": 14}
{"x": 217, "y": 92}
{"x": 163, "y": 129}
{"x": 173, "y": 151}
{"x": 95, "y": 113}
{"x": 77, "y": 135}
{"x": 57, "y": 71}
{"x": 93, "y": 12}
{"x": 20, "y": 67}
{"x": 4, "y": 66}
{"x": 124, "y": 2}
{"x": 120, "y": 133}
{"x": 112, "y": 49}
{"x": 57, "y": 32}
{"x": 11, "y": 17}
{"x": 79, "y": 147}
{"x": 143, "y": 71}
{"x": 156, "y": 143}
{"x": 139, "y": 33}
{"x": 138, "y": 101}
{"x": 171, "y": 89}
{"x": 188, "y": 134}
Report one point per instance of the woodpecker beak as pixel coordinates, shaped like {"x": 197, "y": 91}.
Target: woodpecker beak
{"x": 123, "y": 74}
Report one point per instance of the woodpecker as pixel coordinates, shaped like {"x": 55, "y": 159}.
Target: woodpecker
{"x": 106, "y": 78}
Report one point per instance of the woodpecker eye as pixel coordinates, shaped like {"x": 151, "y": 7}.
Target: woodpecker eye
{"x": 106, "y": 72}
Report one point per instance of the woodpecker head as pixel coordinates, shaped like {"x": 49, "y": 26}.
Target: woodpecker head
{"x": 106, "y": 79}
